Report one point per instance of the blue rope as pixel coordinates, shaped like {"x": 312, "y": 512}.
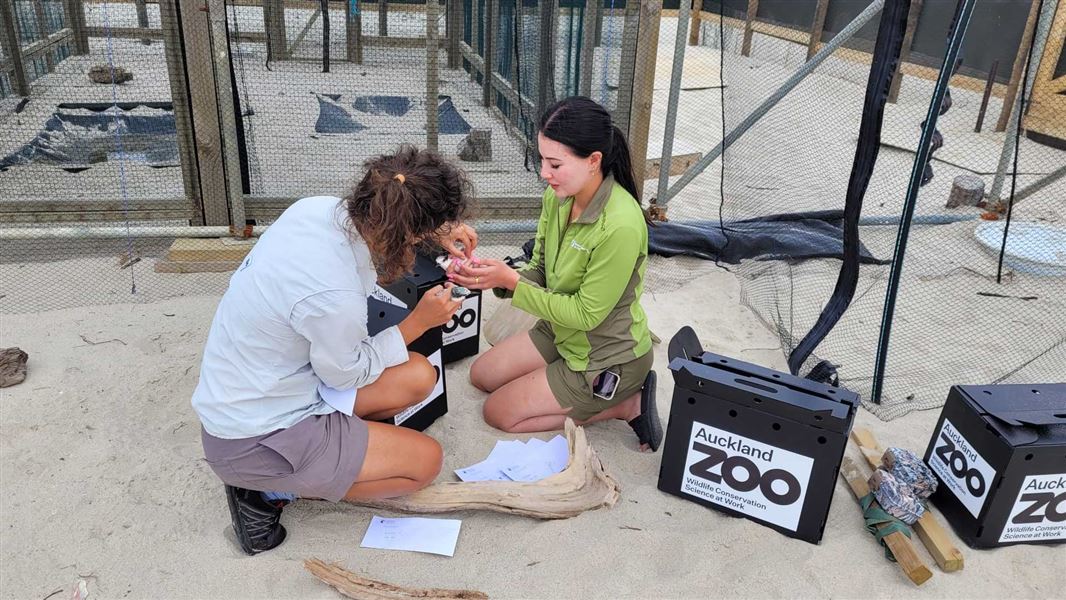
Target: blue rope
{"x": 119, "y": 147}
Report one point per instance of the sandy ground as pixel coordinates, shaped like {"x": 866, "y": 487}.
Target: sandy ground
{"x": 103, "y": 480}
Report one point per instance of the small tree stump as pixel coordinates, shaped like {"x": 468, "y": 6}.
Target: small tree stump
{"x": 102, "y": 74}
{"x": 966, "y": 190}
{"x": 476, "y": 146}
{"x": 12, "y": 366}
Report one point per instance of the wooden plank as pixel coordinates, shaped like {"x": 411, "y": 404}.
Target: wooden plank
{"x": 208, "y": 266}
{"x": 125, "y": 33}
{"x": 204, "y": 103}
{"x": 353, "y": 32}
{"x": 44, "y": 46}
{"x": 1019, "y": 66}
{"x": 900, "y": 545}
{"x": 12, "y": 47}
{"x": 929, "y": 529}
{"x": 190, "y": 174}
{"x": 679, "y": 163}
{"x": 432, "y": 73}
{"x": 208, "y": 249}
{"x": 588, "y": 48}
{"x": 905, "y": 51}
{"x": 643, "y": 87}
{"x": 694, "y": 26}
{"x": 97, "y": 216}
{"x": 291, "y": 50}
{"x": 492, "y": 19}
{"x": 753, "y": 11}
{"x": 817, "y": 28}
{"x": 499, "y": 84}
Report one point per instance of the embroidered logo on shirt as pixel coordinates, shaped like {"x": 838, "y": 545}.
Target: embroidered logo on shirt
{"x": 577, "y": 246}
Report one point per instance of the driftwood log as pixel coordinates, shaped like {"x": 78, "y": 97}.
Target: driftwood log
{"x": 583, "y": 485}
{"x": 353, "y": 586}
{"x": 12, "y": 366}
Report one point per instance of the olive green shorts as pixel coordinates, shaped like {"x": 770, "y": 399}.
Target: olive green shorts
{"x": 573, "y": 389}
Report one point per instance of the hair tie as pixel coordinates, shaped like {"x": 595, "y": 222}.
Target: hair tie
{"x": 399, "y": 177}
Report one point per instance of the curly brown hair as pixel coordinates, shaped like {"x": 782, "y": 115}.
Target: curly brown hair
{"x": 403, "y": 200}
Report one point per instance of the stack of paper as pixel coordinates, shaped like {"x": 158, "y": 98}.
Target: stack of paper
{"x": 517, "y": 461}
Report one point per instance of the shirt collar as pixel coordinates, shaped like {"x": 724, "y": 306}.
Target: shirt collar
{"x": 599, "y": 200}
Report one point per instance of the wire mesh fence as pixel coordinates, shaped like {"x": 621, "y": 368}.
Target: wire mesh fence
{"x": 746, "y": 121}
{"x": 976, "y": 302}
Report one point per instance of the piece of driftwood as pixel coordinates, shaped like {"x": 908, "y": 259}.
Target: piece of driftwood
{"x": 899, "y": 544}
{"x": 353, "y": 586}
{"x": 947, "y": 556}
{"x": 103, "y": 74}
{"x": 12, "y": 366}
{"x": 966, "y": 190}
{"x": 583, "y": 485}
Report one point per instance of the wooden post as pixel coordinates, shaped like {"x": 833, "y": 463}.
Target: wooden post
{"x": 455, "y": 32}
{"x": 475, "y": 28}
{"x": 1019, "y": 67}
{"x": 588, "y": 46}
{"x": 817, "y": 28}
{"x": 12, "y": 47}
{"x": 76, "y": 21}
{"x": 324, "y": 9}
{"x": 204, "y": 102}
{"x": 989, "y": 83}
{"x": 694, "y": 27}
{"x": 544, "y": 73}
{"x": 190, "y": 175}
{"x": 353, "y": 31}
{"x": 219, "y": 47}
{"x": 142, "y": 19}
{"x": 753, "y": 11}
{"x": 905, "y": 51}
{"x": 383, "y": 18}
{"x": 432, "y": 73}
{"x": 274, "y": 26}
{"x": 492, "y": 19}
{"x": 643, "y": 90}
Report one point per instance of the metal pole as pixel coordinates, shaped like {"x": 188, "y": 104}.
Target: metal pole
{"x": 667, "y": 153}
{"x": 432, "y": 73}
{"x": 845, "y": 34}
{"x": 1043, "y": 27}
{"x": 958, "y": 33}
{"x": 226, "y": 109}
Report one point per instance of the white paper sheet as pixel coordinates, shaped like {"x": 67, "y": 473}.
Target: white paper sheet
{"x": 342, "y": 400}
{"x": 415, "y": 534}
{"x": 517, "y": 461}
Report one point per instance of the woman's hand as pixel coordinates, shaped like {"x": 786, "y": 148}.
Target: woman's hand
{"x": 456, "y": 234}
{"x": 485, "y": 274}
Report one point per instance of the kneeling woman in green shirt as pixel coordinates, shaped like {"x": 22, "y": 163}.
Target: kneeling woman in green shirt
{"x": 589, "y": 357}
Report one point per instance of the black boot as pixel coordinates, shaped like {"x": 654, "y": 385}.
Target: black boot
{"x": 255, "y": 521}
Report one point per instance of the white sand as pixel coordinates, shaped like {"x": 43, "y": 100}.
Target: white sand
{"x": 103, "y": 477}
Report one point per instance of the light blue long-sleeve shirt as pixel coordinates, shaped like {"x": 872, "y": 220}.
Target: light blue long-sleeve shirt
{"x": 294, "y": 317}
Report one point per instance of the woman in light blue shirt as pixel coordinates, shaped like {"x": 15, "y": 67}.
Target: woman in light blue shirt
{"x": 291, "y": 383}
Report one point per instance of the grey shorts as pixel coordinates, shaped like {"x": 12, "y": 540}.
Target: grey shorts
{"x": 573, "y": 389}
{"x": 319, "y": 457}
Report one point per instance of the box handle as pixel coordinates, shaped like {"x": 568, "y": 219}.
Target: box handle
{"x": 758, "y": 386}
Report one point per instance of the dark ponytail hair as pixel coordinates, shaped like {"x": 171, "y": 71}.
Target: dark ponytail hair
{"x": 584, "y": 126}
{"x": 405, "y": 198}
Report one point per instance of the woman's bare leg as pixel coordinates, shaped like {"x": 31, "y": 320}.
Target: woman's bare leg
{"x": 398, "y": 461}
{"x": 510, "y": 359}
{"x": 397, "y": 388}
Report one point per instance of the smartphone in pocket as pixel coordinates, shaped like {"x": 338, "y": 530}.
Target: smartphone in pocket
{"x": 605, "y": 385}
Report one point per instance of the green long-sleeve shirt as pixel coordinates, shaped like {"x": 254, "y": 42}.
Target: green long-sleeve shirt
{"x": 586, "y": 278}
